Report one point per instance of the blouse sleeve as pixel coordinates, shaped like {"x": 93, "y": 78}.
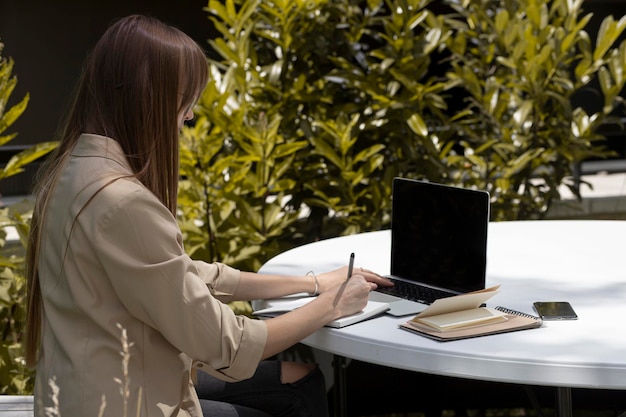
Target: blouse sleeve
{"x": 221, "y": 279}
{"x": 140, "y": 247}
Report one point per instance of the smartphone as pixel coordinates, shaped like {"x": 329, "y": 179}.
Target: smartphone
{"x": 555, "y": 310}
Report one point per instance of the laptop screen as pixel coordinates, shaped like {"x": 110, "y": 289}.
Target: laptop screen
{"x": 439, "y": 234}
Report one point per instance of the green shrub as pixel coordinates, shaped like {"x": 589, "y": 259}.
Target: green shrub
{"x": 521, "y": 64}
{"x": 15, "y": 378}
{"x": 314, "y": 106}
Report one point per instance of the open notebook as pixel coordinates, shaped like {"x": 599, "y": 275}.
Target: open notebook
{"x": 514, "y": 321}
{"x": 277, "y": 306}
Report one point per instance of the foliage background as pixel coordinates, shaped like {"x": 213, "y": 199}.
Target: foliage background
{"x": 316, "y": 105}
{"x": 15, "y": 378}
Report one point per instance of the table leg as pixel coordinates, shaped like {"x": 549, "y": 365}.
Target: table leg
{"x": 340, "y": 390}
{"x": 564, "y": 402}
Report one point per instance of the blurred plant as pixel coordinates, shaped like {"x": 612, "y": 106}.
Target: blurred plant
{"x": 521, "y": 64}
{"x": 15, "y": 377}
{"x": 313, "y": 107}
{"x": 9, "y": 116}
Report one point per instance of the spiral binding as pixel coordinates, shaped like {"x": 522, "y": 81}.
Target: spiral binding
{"x": 517, "y": 313}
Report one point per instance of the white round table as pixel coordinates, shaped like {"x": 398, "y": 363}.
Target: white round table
{"x": 582, "y": 262}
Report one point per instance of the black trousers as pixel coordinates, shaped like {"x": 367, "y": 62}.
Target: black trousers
{"x": 263, "y": 395}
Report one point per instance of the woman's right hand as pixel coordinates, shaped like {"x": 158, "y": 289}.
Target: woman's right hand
{"x": 350, "y": 296}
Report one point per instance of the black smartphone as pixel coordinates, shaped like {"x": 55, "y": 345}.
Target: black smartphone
{"x": 555, "y": 310}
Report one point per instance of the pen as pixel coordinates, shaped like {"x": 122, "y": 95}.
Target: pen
{"x": 350, "y": 265}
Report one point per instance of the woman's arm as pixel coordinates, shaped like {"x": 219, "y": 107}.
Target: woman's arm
{"x": 344, "y": 299}
{"x": 253, "y": 286}
{"x": 338, "y": 297}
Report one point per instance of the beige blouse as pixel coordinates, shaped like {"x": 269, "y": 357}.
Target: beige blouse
{"x": 113, "y": 256}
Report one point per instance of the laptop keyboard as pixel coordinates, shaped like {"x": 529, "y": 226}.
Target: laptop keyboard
{"x": 413, "y": 292}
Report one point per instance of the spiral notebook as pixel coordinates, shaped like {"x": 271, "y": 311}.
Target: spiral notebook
{"x": 516, "y": 320}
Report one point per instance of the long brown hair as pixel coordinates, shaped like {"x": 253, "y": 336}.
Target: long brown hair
{"x": 141, "y": 75}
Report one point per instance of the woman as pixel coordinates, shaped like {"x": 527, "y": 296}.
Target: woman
{"x": 106, "y": 264}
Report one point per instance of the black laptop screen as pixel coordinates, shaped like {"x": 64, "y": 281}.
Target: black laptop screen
{"x": 439, "y": 234}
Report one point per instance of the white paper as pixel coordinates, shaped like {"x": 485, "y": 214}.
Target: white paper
{"x": 277, "y": 306}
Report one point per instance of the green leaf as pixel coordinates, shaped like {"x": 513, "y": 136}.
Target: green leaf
{"x": 7, "y": 138}
{"x": 608, "y": 34}
{"x": 606, "y": 84}
{"x": 369, "y": 152}
{"x": 322, "y": 148}
{"x": 523, "y": 111}
{"x": 573, "y": 6}
{"x": 575, "y": 34}
{"x": 8, "y": 118}
{"x": 502, "y": 20}
{"x": 417, "y": 125}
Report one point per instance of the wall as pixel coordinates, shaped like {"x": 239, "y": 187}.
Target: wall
{"x": 49, "y": 39}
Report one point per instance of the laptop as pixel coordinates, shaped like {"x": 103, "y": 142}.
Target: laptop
{"x": 438, "y": 244}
